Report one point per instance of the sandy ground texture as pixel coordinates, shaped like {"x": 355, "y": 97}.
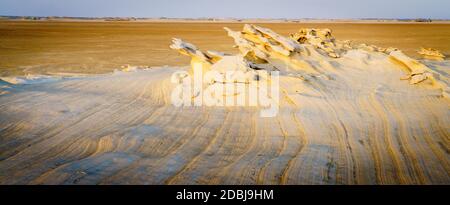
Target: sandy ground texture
{"x": 47, "y": 47}
{"x": 355, "y": 122}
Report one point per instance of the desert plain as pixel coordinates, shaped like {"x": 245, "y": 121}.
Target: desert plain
{"x": 99, "y": 47}
{"x": 70, "y": 114}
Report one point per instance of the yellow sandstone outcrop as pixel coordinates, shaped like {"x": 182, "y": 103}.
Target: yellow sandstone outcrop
{"x": 345, "y": 119}
{"x": 418, "y": 72}
{"x": 300, "y": 54}
{"x": 320, "y": 38}
{"x": 431, "y": 53}
{"x": 192, "y": 51}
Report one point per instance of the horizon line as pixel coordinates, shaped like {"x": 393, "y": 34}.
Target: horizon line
{"x": 225, "y": 18}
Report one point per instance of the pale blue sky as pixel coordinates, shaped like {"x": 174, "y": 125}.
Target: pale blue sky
{"x": 438, "y": 9}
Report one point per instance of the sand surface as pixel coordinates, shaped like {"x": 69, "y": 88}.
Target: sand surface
{"x": 122, "y": 129}
{"x": 100, "y": 47}
{"x": 356, "y": 123}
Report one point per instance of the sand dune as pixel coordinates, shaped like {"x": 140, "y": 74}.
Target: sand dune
{"x": 352, "y": 122}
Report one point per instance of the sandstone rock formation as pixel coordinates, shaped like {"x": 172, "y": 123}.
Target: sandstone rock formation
{"x": 345, "y": 119}
{"x": 419, "y": 72}
{"x": 320, "y": 38}
{"x": 298, "y": 55}
{"x": 192, "y": 51}
{"x": 431, "y": 53}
